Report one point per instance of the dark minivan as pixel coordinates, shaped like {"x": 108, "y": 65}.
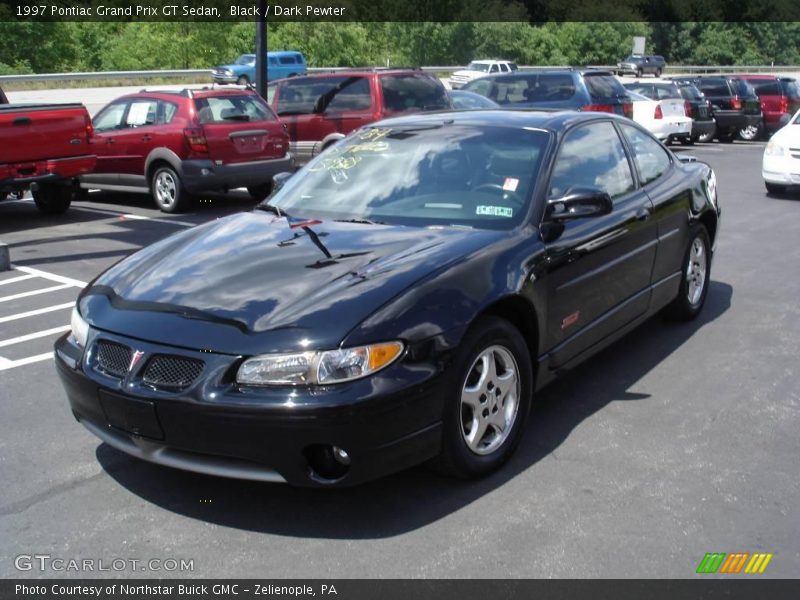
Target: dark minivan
{"x": 590, "y": 90}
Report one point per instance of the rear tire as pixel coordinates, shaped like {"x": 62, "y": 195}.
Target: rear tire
{"x": 707, "y": 137}
{"x": 726, "y": 138}
{"x": 259, "y": 192}
{"x": 243, "y": 80}
{"x": 167, "y": 190}
{"x": 658, "y": 72}
{"x": 488, "y": 400}
{"x": 775, "y": 188}
{"x": 695, "y": 277}
{"x": 752, "y": 133}
{"x": 53, "y": 199}
{"x": 688, "y": 141}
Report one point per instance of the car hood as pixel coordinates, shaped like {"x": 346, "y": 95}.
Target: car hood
{"x": 254, "y": 282}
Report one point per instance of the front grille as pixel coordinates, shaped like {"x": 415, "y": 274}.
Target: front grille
{"x": 112, "y": 358}
{"x": 172, "y": 372}
{"x": 795, "y": 152}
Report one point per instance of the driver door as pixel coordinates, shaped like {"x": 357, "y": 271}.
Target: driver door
{"x": 599, "y": 268}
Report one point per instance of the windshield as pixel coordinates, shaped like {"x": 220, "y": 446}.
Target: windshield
{"x": 478, "y": 66}
{"x": 432, "y": 174}
{"x": 245, "y": 59}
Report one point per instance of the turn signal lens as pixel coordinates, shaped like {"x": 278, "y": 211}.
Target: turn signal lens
{"x": 80, "y": 328}
{"x": 774, "y": 149}
{"x": 318, "y": 368}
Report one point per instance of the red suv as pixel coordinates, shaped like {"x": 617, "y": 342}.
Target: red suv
{"x": 177, "y": 143}
{"x": 321, "y": 109}
{"x": 777, "y": 104}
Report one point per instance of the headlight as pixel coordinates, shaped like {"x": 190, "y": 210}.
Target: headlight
{"x": 80, "y": 328}
{"x": 318, "y": 368}
{"x": 774, "y": 149}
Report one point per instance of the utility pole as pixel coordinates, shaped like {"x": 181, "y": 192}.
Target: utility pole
{"x": 261, "y": 48}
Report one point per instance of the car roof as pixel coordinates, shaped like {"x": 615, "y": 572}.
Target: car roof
{"x": 283, "y": 53}
{"x": 550, "y": 120}
{"x": 521, "y": 74}
{"x": 756, "y": 76}
{"x": 365, "y": 72}
{"x": 204, "y": 92}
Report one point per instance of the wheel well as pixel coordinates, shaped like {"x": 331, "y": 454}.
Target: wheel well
{"x": 522, "y": 315}
{"x": 159, "y": 162}
{"x": 709, "y": 220}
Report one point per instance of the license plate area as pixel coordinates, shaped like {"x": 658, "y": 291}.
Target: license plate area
{"x": 131, "y": 415}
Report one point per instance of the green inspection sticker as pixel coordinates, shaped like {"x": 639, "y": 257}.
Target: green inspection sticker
{"x": 495, "y": 211}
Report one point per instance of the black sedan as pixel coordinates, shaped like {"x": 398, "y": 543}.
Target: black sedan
{"x": 399, "y": 299}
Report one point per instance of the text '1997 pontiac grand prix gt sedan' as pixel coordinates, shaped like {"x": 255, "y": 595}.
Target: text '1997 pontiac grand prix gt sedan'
{"x": 400, "y": 299}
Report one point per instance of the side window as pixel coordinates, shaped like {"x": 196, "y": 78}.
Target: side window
{"x": 651, "y": 159}
{"x": 482, "y": 87}
{"x": 166, "y": 110}
{"x": 110, "y": 118}
{"x": 141, "y": 113}
{"x": 494, "y": 69}
{"x": 504, "y": 67}
{"x": 353, "y": 95}
{"x": 592, "y": 156}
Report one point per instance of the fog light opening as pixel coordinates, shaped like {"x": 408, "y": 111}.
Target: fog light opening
{"x": 327, "y": 463}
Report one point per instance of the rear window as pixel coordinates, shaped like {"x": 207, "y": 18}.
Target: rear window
{"x": 230, "y": 109}
{"x": 690, "y": 92}
{"x": 413, "y": 92}
{"x": 551, "y": 88}
{"x": 743, "y": 88}
{"x": 766, "y": 87}
{"x": 715, "y": 86}
{"x": 603, "y": 86}
{"x": 790, "y": 88}
{"x": 665, "y": 92}
{"x": 513, "y": 66}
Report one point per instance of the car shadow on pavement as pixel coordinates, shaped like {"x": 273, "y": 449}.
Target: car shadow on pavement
{"x": 417, "y": 497}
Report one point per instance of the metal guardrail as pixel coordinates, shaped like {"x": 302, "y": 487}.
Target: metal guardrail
{"x": 671, "y": 69}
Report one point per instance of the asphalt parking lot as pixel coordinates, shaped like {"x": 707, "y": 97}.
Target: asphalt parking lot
{"x": 677, "y": 441}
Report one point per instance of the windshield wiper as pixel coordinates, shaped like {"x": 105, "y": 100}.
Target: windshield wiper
{"x": 360, "y": 220}
{"x": 267, "y": 207}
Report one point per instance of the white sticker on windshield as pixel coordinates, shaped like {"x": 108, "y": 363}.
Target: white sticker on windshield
{"x": 494, "y": 211}
{"x": 510, "y": 184}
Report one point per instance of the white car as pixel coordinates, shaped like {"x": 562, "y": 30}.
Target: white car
{"x": 479, "y": 68}
{"x": 780, "y": 167}
{"x": 666, "y": 119}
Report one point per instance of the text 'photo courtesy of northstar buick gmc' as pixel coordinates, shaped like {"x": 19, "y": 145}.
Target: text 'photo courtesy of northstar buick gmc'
{"x": 399, "y": 300}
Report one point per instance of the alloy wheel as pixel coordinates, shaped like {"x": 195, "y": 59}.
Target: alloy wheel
{"x": 490, "y": 400}
{"x": 166, "y": 188}
{"x": 696, "y": 271}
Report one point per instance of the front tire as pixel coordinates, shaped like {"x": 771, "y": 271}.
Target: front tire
{"x": 167, "y": 190}
{"x": 488, "y": 400}
{"x": 243, "y": 80}
{"x": 259, "y": 192}
{"x": 53, "y": 199}
{"x": 658, "y": 72}
{"x": 774, "y": 188}
{"x": 695, "y": 277}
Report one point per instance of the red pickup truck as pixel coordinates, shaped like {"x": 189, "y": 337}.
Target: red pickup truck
{"x": 44, "y": 147}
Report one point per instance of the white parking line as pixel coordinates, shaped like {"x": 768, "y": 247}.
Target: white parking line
{"x": 6, "y": 364}
{"x": 33, "y": 336}
{"x": 16, "y": 279}
{"x": 50, "y": 276}
{"x": 54, "y": 288}
{"x": 133, "y": 217}
{"x": 38, "y": 311}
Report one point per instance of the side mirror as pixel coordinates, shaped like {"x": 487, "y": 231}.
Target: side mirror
{"x": 280, "y": 179}
{"x": 578, "y": 203}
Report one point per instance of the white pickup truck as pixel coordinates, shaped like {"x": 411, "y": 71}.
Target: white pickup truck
{"x": 480, "y": 68}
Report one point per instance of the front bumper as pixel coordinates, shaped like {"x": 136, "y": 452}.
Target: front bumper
{"x": 19, "y": 175}
{"x": 204, "y": 175}
{"x": 781, "y": 170}
{"x": 666, "y": 129}
{"x": 215, "y": 427}
{"x": 224, "y": 78}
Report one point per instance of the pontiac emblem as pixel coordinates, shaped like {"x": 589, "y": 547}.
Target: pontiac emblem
{"x": 137, "y": 356}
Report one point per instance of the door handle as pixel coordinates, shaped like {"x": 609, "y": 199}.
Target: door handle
{"x": 146, "y": 138}
{"x": 110, "y": 141}
{"x": 643, "y": 214}
{"x": 22, "y": 121}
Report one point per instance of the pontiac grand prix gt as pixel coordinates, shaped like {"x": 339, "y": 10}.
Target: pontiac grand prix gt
{"x": 400, "y": 299}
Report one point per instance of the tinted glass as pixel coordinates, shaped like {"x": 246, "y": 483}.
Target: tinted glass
{"x": 592, "y": 156}
{"x": 743, "y": 88}
{"x": 464, "y": 100}
{"x": 245, "y": 59}
{"x": 790, "y": 88}
{"x": 714, "y": 86}
{"x": 477, "y": 66}
{"x": 287, "y": 60}
{"x": 666, "y": 91}
{"x": 299, "y": 96}
{"x": 110, "y": 118}
{"x": 421, "y": 175}
{"x": 230, "y": 109}
{"x": 166, "y": 110}
{"x": 603, "y": 86}
{"x": 141, "y": 113}
{"x": 513, "y": 66}
{"x": 480, "y": 86}
{"x": 552, "y": 87}
{"x": 766, "y": 87}
{"x": 650, "y": 157}
{"x": 353, "y": 94}
{"x": 690, "y": 92}
{"x": 643, "y": 89}
{"x": 413, "y": 92}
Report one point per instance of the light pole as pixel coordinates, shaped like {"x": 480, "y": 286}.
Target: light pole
{"x": 261, "y": 48}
